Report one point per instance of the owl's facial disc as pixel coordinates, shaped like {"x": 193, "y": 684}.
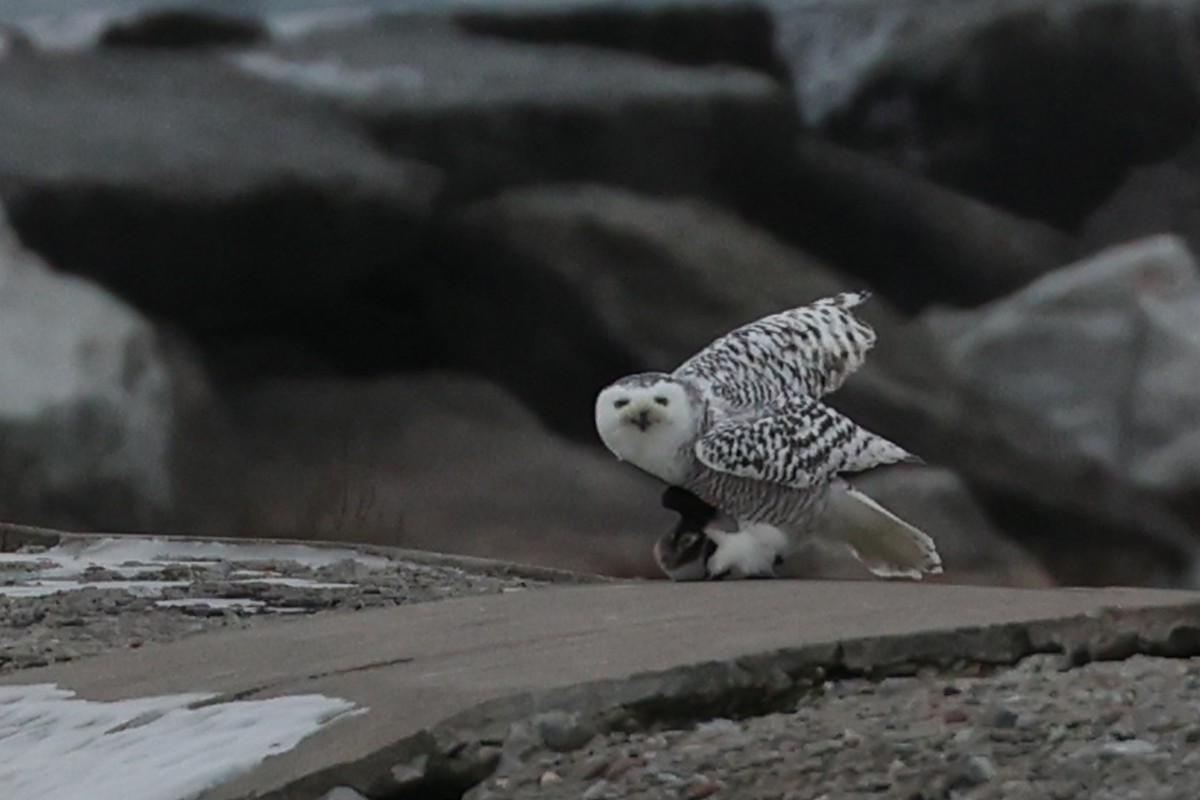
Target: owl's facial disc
{"x": 645, "y": 420}
{"x": 641, "y": 404}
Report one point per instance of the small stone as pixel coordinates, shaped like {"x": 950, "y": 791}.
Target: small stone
{"x": 549, "y": 778}
{"x": 716, "y": 727}
{"x": 964, "y": 735}
{"x": 980, "y": 769}
{"x": 622, "y": 767}
{"x": 955, "y": 715}
{"x": 1129, "y": 747}
{"x": 668, "y": 778}
{"x": 950, "y": 690}
{"x": 410, "y": 771}
{"x": 701, "y": 787}
{"x": 563, "y": 732}
{"x": 1192, "y": 736}
{"x": 597, "y": 790}
{"x": 593, "y": 767}
{"x": 1004, "y": 718}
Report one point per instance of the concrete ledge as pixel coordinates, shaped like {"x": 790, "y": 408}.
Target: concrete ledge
{"x": 445, "y": 684}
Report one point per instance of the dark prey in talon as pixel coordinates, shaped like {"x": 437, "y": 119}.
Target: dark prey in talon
{"x": 694, "y": 513}
{"x": 683, "y": 554}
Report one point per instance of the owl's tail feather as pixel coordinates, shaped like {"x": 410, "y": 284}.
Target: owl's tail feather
{"x": 886, "y": 545}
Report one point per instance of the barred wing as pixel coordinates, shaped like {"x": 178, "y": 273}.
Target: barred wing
{"x": 802, "y": 444}
{"x": 809, "y": 351}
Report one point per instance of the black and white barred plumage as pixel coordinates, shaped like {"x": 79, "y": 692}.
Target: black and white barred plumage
{"x": 741, "y": 425}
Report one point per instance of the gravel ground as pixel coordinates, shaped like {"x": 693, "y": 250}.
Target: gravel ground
{"x": 209, "y": 595}
{"x": 1105, "y": 731}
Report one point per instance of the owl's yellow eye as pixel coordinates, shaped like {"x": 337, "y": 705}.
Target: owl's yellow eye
{"x": 620, "y": 403}
{"x": 662, "y": 401}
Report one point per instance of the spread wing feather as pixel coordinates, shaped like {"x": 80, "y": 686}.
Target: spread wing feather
{"x": 802, "y": 444}
{"x": 809, "y": 350}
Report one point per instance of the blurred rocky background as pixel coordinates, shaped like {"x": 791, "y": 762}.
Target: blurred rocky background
{"x": 357, "y": 272}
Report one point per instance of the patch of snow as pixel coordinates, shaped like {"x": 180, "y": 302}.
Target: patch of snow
{"x": 330, "y": 75}
{"x": 64, "y": 568}
{"x": 55, "y": 745}
{"x": 44, "y": 588}
{"x": 832, "y": 55}
{"x": 74, "y": 31}
{"x": 211, "y": 602}
{"x": 303, "y": 23}
{"x": 75, "y": 555}
{"x": 299, "y": 583}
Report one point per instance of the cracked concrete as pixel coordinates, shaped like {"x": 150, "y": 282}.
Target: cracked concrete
{"x": 446, "y": 684}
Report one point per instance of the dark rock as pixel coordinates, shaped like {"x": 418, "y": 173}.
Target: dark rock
{"x": 436, "y": 462}
{"x": 235, "y": 208}
{"x": 13, "y": 40}
{"x": 1003, "y": 717}
{"x": 92, "y": 406}
{"x": 690, "y": 34}
{"x": 656, "y": 280}
{"x": 1160, "y": 198}
{"x": 562, "y": 731}
{"x": 1038, "y": 107}
{"x": 955, "y": 716}
{"x": 180, "y": 28}
{"x": 915, "y": 241}
{"x": 1090, "y": 375}
{"x": 497, "y": 113}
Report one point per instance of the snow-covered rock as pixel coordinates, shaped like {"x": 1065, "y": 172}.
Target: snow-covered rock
{"x": 1106, "y": 351}
{"x": 90, "y": 401}
{"x": 1092, "y": 383}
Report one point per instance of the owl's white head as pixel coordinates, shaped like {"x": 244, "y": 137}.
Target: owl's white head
{"x": 646, "y": 420}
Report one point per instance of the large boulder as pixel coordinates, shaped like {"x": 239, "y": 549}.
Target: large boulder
{"x": 94, "y": 403}
{"x": 1158, "y": 198}
{"x": 180, "y": 28}
{"x": 495, "y": 113}
{"x": 1097, "y": 370}
{"x": 695, "y": 34}
{"x": 439, "y": 462}
{"x": 1038, "y": 106}
{"x": 913, "y": 239}
{"x": 234, "y": 207}
{"x": 652, "y": 281}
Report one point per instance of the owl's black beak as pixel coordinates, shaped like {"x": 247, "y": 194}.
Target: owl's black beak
{"x": 642, "y": 420}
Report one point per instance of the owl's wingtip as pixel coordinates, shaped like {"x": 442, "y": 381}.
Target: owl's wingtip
{"x": 857, "y": 298}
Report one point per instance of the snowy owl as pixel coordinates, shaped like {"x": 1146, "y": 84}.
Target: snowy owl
{"x": 740, "y": 425}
